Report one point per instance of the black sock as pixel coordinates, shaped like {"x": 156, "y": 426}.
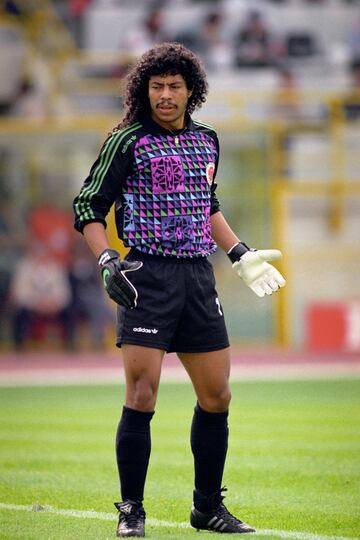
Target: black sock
{"x": 209, "y": 443}
{"x": 133, "y": 446}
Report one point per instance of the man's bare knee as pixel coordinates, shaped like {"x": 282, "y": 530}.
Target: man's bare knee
{"x": 216, "y": 402}
{"x": 141, "y": 395}
{"x": 142, "y": 371}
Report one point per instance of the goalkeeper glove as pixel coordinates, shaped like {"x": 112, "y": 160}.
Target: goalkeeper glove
{"x": 252, "y": 266}
{"x": 117, "y": 285}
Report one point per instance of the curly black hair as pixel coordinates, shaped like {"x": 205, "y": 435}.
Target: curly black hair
{"x": 164, "y": 59}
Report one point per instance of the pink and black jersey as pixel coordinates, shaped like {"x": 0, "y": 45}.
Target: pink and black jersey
{"x": 162, "y": 184}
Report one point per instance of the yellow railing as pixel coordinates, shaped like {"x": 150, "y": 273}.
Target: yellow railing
{"x": 336, "y": 187}
{"x": 329, "y": 254}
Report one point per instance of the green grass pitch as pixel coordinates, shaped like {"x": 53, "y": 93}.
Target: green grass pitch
{"x": 293, "y": 465}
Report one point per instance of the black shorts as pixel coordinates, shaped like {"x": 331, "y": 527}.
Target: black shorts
{"x": 178, "y": 308}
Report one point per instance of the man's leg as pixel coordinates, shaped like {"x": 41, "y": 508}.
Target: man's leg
{"x": 133, "y": 442}
{"x": 209, "y": 373}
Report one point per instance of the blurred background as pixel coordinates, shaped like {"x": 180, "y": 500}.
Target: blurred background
{"x": 285, "y": 99}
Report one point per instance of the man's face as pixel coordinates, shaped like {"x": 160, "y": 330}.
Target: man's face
{"x": 168, "y": 96}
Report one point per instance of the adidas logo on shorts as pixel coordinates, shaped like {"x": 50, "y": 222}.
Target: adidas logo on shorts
{"x": 146, "y": 330}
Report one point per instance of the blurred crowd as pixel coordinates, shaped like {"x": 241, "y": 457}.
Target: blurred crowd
{"x": 253, "y": 43}
{"x": 50, "y": 287}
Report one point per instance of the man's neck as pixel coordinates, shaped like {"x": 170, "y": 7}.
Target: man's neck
{"x": 180, "y": 123}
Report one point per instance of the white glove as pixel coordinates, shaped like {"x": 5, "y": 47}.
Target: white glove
{"x": 259, "y": 275}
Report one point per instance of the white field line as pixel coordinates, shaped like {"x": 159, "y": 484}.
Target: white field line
{"x": 104, "y": 516}
{"x": 96, "y": 375}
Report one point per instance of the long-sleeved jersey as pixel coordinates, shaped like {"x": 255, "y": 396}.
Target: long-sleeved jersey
{"x": 162, "y": 184}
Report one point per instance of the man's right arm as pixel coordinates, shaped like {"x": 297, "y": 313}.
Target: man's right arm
{"x": 103, "y": 185}
{"x": 100, "y": 190}
{"x": 96, "y": 238}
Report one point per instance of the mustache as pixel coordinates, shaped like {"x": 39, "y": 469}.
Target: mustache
{"x": 166, "y": 103}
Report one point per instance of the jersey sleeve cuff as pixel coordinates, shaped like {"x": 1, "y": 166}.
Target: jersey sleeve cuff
{"x": 79, "y": 225}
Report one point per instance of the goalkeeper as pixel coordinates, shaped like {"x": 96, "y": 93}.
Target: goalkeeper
{"x": 158, "y": 168}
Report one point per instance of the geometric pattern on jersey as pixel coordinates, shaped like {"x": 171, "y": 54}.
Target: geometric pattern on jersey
{"x": 168, "y": 196}
{"x": 177, "y": 232}
{"x": 167, "y": 174}
{"x": 129, "y": 222}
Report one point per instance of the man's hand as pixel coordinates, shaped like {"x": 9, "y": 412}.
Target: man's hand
{"x": 255, "y": 271}
{"x": 116, "y": 283}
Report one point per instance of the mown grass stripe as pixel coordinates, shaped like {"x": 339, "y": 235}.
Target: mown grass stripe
{"x": 105, "y": 516}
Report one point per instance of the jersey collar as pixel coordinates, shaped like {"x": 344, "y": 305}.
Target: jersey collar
{"x": 155, "y": 128}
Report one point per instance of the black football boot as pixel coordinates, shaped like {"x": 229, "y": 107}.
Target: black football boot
{"x": 214, "y": 516}
{"x": 131, "y": 519}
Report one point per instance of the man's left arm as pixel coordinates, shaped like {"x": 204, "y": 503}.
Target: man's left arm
{"x": 250, "y": 264}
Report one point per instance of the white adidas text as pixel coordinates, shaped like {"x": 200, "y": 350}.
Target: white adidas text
{"x": 145, "y": 330}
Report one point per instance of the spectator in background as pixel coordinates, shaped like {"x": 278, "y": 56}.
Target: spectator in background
{"x": 28, "y": 102}
{"x": 51, "y": 224}
{"x": 75, "y": 16}
{"x": 88, "y": 299}
{"x": 11, "y": 246}
{"x": 353, "y": 42}
{"x": 351, "y": 101}
{"x": 286, "y": 103}
{"x": 12, "y": 8}
{"x": 289, "y": 104}
{"x": 253, "y": 43}
{"x": 150, "y": 33}
{"x": 208, "y": 42}
{"x": 40, "y": 292}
